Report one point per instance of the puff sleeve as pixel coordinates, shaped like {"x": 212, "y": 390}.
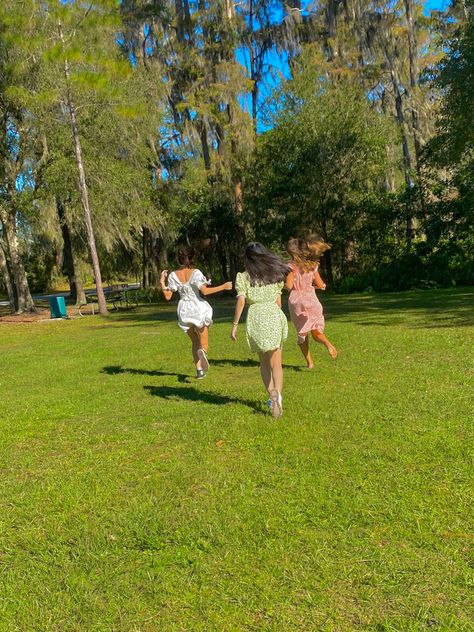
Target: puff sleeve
{"x": 241, "y": 284}
{"x": 172, "y": 282}
{"x": 198, "y": 279}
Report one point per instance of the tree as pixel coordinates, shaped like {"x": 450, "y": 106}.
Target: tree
{"x": 322, "y": 160}
{"x": 455, "y": 140}
{"x": 203, "y": 119}
{"x": 18, "y": 162}
{"x": 6, "y": 280}
{"x": 70, "y": 79}
{"x": 450, "y": 157}
{"x": 82, "y": 82}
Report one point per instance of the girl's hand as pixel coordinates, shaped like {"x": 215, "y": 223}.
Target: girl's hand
{"x": 233, "y": 333}
{"x": 163, "y": 276}
{"x": 227, "y": 286}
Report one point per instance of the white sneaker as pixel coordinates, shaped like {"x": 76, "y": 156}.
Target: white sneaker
{"x": 276, "y": 409}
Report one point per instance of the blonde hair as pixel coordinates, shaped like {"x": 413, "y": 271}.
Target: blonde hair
{"x": 307, "y": 252}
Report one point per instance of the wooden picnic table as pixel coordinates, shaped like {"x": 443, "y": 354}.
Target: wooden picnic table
{"x": 114, "y": 295}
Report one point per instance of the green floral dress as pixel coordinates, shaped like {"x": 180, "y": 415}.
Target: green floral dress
{"x": 267, "y": 326}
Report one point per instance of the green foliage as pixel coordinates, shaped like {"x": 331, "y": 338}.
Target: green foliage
{"x": 169, "y": 144}
{"x": 455, "y": 141}
{"x": 323, "y": 163}
{"x": 114, "y": 118}
{"x": 450, "y": 161}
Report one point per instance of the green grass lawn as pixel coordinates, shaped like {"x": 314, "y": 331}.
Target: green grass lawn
{"x": 135, "y": 498}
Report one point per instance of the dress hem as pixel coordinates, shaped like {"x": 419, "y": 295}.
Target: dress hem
{"x": 190, "y": 324}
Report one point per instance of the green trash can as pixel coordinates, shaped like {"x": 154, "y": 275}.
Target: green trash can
{"x": 58, "y": 307}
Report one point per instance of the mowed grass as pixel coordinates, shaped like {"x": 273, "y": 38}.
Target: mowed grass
{"x": 134, "y": 498}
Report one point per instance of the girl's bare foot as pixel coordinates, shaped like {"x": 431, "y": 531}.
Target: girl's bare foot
{"x": 303, "y": 345}
{"x": 332, "y": 352}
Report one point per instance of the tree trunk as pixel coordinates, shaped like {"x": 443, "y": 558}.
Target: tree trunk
{"x": 83, "y": 188}
{"x": 179, "y": 10}
{"x": 71, "y": 261}
{"x": 413, "y": 67}
{"x": 221, "y": 255}
{"x": 253, "y": 70}
{"x": 234, "y": 264}
{"x": 24, "y": 301}
{"x": 86, "y": 209}
{"x": 204, "y": 143}
{"x": 154, "y": 263}
{"x": 407, "y": 161}
{"x": 389, "y": 173}
{"x": 254, "y": 104}
{"x": 155, "y": 257}
{"x": 161, "y": 258}
{"x": 5, "y": 272}
{"x": 229, "y": 9}
{"x": 145, "y": 257}
{"x": 327, "y": 258}
{"x": 239, "y": 204}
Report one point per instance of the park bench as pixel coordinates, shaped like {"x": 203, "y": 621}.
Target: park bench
{"x": 115, "y": 295}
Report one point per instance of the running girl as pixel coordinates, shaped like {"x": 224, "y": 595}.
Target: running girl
{"x": 260, "y": 286}
{"x": 305, "y": 309}
{"x": 194, "y": 312}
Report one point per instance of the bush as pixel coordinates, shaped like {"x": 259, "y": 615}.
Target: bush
{"x": 423, "y": 269}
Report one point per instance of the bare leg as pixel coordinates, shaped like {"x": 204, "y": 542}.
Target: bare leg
{"x": 203, "y": 334}
{"x": 304, "y": 346}
{"x": 192, "y": 333}
{"x": 319, "y": 337}
{"x": 266, "y": 371}
{"x": 277, "y": 369}
{"x": 276, "y": 409}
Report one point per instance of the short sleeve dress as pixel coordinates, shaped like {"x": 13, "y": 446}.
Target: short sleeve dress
{"x": 267, "y": 326}
{"x": 305, "y": 309}
{"x": 193, "y": 310}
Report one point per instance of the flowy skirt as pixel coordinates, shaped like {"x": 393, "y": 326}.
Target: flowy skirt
{"x": 306, "y": 312}
{"x": 267, "y": 327}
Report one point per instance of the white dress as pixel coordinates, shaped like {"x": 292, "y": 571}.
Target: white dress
{"x": 192, "y": 308}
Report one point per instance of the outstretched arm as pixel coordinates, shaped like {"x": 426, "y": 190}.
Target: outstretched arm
{"x": 290, "y": 280}
{"x": 207, "y": 291}
{"x": 167, "y": 293}
{"x": 317, "y": 280}
{"x": 239, "y": 308}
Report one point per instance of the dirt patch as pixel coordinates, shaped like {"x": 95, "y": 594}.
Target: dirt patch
{"x": 41, "y": 314}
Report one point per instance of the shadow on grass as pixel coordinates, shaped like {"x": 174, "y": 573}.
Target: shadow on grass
{"x": 419, "y": 308}
{"x": 190, "y": 394}
{"x": 247, "y": 363}
{"x": 117, "y": 370}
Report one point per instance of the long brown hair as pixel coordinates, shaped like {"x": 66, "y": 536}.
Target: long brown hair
{"x": 306, "y": 253}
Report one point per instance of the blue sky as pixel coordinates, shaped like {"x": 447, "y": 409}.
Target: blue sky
{"x": 277, "y": 65}
{"x": 436, "y": 5}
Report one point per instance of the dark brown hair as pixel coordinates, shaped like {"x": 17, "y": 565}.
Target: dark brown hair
{"x": 263, "y": 266}
{"x": 186, "y": 256}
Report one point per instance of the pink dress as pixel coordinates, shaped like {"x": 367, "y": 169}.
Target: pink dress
{"x": 305, "y": 309}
